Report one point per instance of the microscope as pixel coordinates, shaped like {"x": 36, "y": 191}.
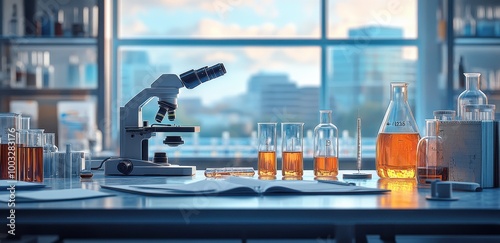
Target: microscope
{"x": 134, "y": 132}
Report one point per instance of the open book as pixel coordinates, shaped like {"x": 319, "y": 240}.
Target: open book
{"x": 245, "y": 186}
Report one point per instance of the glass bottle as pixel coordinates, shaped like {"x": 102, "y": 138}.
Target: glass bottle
{"x": 471, "y": 95}
{"x": 47, "y": 71}
{"x": 34, "y": 72}
{"x": 13, "y": 22}
{"x": 18, "y": 71}
{"x": 497, "y": 21}
{"x": 469, "y": 24}
{"x": 326, "y": 146}
{"x": 398, "y": 137}
{"x": 430, "y": 163}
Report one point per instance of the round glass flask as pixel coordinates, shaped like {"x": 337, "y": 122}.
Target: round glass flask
{"x": 398, "y": 137}
{"x": 472, "y": 95}
{"x": 326, "y": 146}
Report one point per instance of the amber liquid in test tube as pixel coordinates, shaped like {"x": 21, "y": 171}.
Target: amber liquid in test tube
{"x": 292, "y": 164}
{"x": 292, "y": 150}
{"x": 267, "y": 165}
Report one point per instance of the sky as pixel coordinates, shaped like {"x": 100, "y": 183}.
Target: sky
{"x": 252, "y": 19}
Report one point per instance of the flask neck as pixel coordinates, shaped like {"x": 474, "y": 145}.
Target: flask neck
{"x": 325, "y": 116}
{"x": 431, "y": 127}
{"x": 472, "y": 82}
{"x": 399, "y": 92}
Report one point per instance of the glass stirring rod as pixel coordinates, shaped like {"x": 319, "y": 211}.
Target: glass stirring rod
{"x": 358, "y": 155}
{"x": 359, "y": 174}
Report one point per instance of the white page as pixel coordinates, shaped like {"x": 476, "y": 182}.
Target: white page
{"x": 54, "y": 195}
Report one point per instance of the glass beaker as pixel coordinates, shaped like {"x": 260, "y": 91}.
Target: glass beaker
{"x": 267, "y": 165}
{"x": 430, "y": 163}
{"x": 49, "y": 148}
{"x": 472, "y": 95}
{"x": 398, "y": 137}
{"x": 487, "y": 112}
{"x": 292, "y": 157}
{"x": 326, "y": 146}
{"x": 9, "y": 125}
{"x": 445, "y": 115}
{"x": 31, "y": 155}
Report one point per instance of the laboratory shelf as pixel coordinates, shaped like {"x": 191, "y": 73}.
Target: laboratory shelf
{"x": 477, "y": 41}
{"x": 49, "y": 40}
{"x": 42, "y": 92}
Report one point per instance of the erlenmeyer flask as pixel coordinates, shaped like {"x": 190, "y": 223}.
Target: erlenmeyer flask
{"x": 472, "y": 95}
{"x": 398, "y": 137}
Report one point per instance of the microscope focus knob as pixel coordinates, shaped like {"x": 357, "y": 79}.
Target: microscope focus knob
{"x": 125, "y": 167}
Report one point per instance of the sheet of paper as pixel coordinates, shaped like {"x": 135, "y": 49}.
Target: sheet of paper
{"x": 21, "y": 185}
{"x": 53, "y": 195}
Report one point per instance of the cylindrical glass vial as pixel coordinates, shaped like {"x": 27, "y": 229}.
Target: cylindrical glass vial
{"x": 472, "y": 95}
{"x": 326, "y": 146}
{"x": 267, "y": 165}
{"x": 398, "y": 137}
{"x": 430, "y": 163}
{"x": 291, "y": 147}
{"x": 9, "y": 125}
{"x": 31, "y": 155}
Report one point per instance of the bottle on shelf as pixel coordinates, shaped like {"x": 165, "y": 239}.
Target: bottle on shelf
{"x": 77, "y": 29}
{"x": 48, "y": 23}
{"x": 47, "y": 71}
{"x": 58, "y": 25}
{"x": 461, "y": 77}
{"x": 85, "y": 21}
{"x": 18, "y": 71}
{"x": 13, "y": 22}
{"x": 94, "y": 24}
{"x": 497, "y": 21}
{"x": 469, "y": 23}
{"x": 75, "y": 72}
{"x": 485, "y": 24}
{"x": 90, "y": 69}
{"x": 34, "y": 72}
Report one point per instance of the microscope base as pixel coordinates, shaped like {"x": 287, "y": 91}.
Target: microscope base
{"x": 134, "y": 167}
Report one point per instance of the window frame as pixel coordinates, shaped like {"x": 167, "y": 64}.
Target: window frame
{"x": 323, "y": 42}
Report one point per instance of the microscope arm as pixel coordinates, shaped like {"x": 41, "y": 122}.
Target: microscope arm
{"x": 166, "y": 88}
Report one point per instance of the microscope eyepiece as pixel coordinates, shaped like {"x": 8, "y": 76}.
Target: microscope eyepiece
{"x": 193, "y": 78}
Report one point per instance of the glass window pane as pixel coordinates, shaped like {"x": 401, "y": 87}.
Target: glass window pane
{"x": 261, "y": 84}
{"x": 219, "y": 19}
{"x": 359, "y": 85}
{"x": 375, "y": 19}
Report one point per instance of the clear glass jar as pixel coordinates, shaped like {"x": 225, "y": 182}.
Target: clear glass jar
{"x": 326, "y": 146}
{"x": 398, "y": 137}
{"x": 430, "y": 163}
{"x": 472, "y": 95}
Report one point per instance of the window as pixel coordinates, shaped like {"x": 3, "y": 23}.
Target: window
{"x": 285, "y": 60}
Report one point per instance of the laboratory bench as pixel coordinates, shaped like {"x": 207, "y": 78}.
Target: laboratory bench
{"x": 402, "y": 211}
